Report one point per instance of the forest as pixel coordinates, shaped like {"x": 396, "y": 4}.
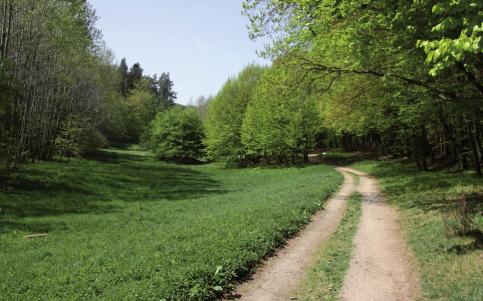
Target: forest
{"x": 396, "y": 79}
{"x": 112, "y": 189}
{"x": 393, "y": 79}
{"x": 62, "y": 95}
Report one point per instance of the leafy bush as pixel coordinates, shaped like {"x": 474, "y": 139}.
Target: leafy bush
{"x": 177, "y": 135}
{"x": 78, "y": 136}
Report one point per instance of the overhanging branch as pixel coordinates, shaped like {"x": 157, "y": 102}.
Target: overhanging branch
{"x": 442, "y": 94}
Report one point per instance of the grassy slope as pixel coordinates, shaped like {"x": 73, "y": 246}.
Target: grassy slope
{"x": 451, "y": 267}
{"x": 122, "y": 226}
{"x": 325, "y": 278}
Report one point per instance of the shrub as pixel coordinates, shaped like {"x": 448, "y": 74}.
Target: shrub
{"x": 177, "y": 135}
{"x": 78, "y": 136}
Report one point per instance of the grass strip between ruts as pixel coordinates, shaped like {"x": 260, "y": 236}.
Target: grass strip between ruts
{"x": 324, "y": 279}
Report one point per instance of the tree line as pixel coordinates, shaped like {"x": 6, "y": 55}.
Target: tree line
{"x": 397, "y": 78}
{"x": 61, "y": 94}
{"x": 400, "y": 78}
{"x": 259, "y": 117}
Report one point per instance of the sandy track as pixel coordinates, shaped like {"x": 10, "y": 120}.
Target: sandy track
{"x": 277, "y": 279}
{"x": 380, "y": 268}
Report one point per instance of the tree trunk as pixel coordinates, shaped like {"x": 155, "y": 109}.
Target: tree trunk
{"x": 475, "y": 149}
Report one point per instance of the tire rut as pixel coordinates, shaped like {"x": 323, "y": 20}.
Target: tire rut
{"x": 380, "y": 268}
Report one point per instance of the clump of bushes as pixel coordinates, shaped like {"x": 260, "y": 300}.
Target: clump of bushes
{"x": 177, "y": 135}
{"x": 78, "y": 136}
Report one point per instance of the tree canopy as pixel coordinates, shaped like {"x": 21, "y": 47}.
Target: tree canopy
{"x": 225, "y": 115}
{"x": 61, "y": 92}
{"x": 402, "y": 78}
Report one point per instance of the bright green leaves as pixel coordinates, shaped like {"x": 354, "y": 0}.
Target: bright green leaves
{"x": 457, "y": 34}
{"x": 225, "y": 115}
{"x": 139, "y": 108}
{"x": 439, "y": 8}
{"x": 177, "y": 134}
{"x": 263, "y": 114}
{"x": 282, "y": 119}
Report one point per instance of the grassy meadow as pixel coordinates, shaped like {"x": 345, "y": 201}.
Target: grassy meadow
{"x": 451, "y": 266}
{"x": 123, "y": 226}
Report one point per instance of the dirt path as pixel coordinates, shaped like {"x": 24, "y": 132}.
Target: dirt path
{"x": 279, "y": 276}
{"x": 381, "y": 265}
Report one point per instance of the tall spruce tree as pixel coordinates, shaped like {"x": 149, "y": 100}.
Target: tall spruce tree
{"x": 134, "y": 76}
{"x": 167, "y": 95}
{"x": 124, "y": 71}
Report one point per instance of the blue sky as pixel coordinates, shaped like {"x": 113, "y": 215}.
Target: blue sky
{"x": 200, "y": 42}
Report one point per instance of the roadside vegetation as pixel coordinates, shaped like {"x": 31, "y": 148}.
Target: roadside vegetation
{"x": 124, "y": 226}
{"x": 326, "y": 276}
{"x": 445, "y": 235}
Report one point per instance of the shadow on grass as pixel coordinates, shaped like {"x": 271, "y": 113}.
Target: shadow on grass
{"x": 98, "y": 185}
{"x": 433, "y": 191}
{"x": 116, "y": 156}
{"x": 31, "y": 226}
{"x": 338, "y": 158}
{"x": 419, "y": 189}
{"x": 475, "y": 244}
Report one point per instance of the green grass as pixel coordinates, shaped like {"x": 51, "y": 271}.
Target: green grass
{"x": 324, "y": 279}
{"x": 122, "y": 226}
{"x": 451, "y": 267}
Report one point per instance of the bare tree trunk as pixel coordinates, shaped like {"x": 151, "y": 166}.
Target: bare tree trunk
{"x": 475, "y": 149}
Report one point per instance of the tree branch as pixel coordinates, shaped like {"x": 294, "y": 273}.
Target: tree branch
{"x": 442, "y": 94}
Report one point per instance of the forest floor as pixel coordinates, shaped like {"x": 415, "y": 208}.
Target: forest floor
{"x": 380, "y": 268}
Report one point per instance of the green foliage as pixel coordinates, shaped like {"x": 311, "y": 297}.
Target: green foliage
{"x": 134, "y": 77}
{"x": 167, "y": 96}
{"x": 77, "y": 136}
{"x": 67, "y": 142}
{"x": 282, "y": 119}
{"x": 177, "y": 135}
{"x": 379, "y": 91}
{"x": 225, "y": 115}
{"x": 75, "y": 75}
{"x": 262, "y": 114}
{"x": 139, "y": 105}
{"x": 457, "y": 34}
{"x": 123, "y": 73}
{"x": 124, "y": 226}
